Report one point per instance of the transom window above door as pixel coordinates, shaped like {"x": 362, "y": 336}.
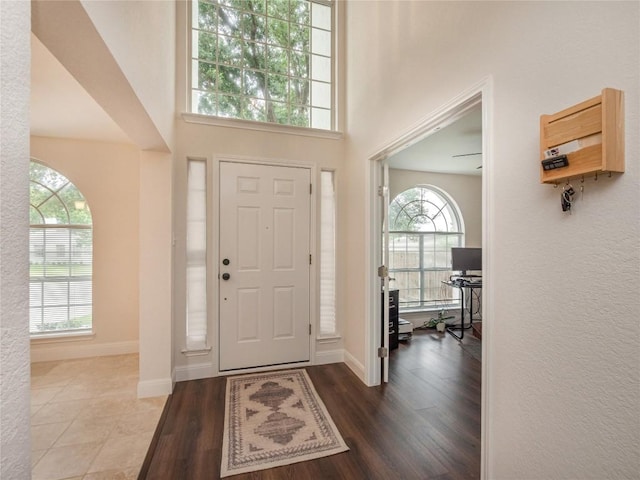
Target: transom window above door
{"x": 424, "y": 224}
{"x": 263, "y": 60}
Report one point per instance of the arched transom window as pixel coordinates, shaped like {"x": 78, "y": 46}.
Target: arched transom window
{"x": 60, "y": 254}
{"x": 424, "y": 224}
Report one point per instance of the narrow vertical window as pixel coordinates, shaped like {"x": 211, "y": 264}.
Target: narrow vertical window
{"x": 196, "y": 255}
{"x": 328, "y": 325}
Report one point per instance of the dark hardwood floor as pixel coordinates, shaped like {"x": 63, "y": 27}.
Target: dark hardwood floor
{"x": 424, "y": 424}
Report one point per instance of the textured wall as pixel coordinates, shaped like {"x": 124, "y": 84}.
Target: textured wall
{"x": 564, "y": 339}
{"x": 15, "y": 447}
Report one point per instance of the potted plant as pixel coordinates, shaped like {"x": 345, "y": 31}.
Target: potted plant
{"x": 440, "y": 321}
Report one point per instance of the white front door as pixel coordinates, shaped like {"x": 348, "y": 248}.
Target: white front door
{"x": 264, "y": 265}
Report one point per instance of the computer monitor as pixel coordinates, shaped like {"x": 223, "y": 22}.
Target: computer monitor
{"x": 466, "y": 259}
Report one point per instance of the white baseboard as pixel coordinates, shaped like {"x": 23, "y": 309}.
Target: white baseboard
{"x": 155, "y": 388}
{"x": 69, "y": 350}
{"x": 207, "y": 370}
{"x": 329, "y": 356}
{"x": 355, "y": 366}
{"x": 194, "y": 372}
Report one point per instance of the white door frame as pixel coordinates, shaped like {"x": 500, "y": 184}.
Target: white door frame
{"x": 482, "y": 92}
{"x": 213, "y": 262}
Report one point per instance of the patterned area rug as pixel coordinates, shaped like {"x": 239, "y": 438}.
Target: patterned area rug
{"x": 274, "y": 419}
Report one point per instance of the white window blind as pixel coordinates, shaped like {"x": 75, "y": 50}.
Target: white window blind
{"x": 424, "y": 225}
{"x": 196, "y": 255}
{"x": 60, "y": 255}
{"x": 328, "y": 325}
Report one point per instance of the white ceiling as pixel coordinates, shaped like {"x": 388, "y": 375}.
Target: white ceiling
{"x": 60, "y": 107}
{"x": 457, "y": 148}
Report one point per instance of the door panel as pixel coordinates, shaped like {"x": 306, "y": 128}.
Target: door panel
{"x": 264, "y": 233}
{"x": 284, "y": 239}
{"x": 284, "y": 312}
{"x": 248, "y": 317}
{"x": 248, "y": 239}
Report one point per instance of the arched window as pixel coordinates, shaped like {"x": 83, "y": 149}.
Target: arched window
{"x": 60, "y": 254}
{"x": 424, "y": 223}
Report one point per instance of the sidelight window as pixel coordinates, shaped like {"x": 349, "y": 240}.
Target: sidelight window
{"x": 328, "y": 325}
{"x": 196, "y": 311}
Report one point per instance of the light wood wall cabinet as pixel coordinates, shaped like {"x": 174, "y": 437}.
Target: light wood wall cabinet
{"x": 597, "y": 127}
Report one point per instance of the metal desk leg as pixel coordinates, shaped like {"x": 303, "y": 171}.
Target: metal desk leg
{"x": 461, "y": 328}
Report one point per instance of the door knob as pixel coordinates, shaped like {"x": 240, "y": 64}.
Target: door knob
{"x": 226, "y": 276}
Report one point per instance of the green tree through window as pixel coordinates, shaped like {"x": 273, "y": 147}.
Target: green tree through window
{"x": 60, "y": 254}
{"x": 263, "y": 60}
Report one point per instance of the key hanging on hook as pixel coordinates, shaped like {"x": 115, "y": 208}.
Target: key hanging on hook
{"x": 566, "y": 197}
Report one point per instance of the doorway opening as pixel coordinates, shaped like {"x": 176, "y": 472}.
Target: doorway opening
{"x": 477, "y": 98}
{"x": 435, "y": 216}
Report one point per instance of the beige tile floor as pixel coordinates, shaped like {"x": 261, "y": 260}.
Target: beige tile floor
{"x": 86, "y": 420}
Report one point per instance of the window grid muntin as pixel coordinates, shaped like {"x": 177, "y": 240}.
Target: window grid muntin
{"x": 429, "y": 287}
{"x": 56, "y": 270}
{"x": 424, "y": 284}
{"x": 52, "y": 268}
{"x": 216, "y": 93}
{"x": 426, "y": 196}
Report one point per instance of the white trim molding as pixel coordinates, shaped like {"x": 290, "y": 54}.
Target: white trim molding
{"x": 68, "y": 350}
{"x": 329, "y": 356}
{"x": 480, "y": 93}
{"x": 260, "y": 126}
{"x": 195, "y": 372}
{"x": 155, "y": 388}
{"x": 355, "y": 366}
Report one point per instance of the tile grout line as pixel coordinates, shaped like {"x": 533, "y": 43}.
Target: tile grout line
{"x": 120, "y": 370}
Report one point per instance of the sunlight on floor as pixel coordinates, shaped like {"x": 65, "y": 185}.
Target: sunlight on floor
{"x": 86, "y": 420}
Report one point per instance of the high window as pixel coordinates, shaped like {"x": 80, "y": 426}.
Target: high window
{"x": 263, "y": 60}
{"x": 60, "y": 255}
{"x": 423, "y": 226}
